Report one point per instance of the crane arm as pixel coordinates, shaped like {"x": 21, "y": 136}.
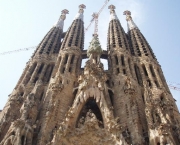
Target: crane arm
{"x": 105, "y": 3}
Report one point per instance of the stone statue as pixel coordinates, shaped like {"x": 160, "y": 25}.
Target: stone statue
{"x": 94, "y": 51}
{"x": 19, "y": 133}
{"x": 81, "y": 122}
{"x": 29, "y": 108}
{"x": 90, "y": 116}
{"x": 128, "y": 87}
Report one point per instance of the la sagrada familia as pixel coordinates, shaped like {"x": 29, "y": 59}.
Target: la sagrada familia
{"x": 56, "y": 102}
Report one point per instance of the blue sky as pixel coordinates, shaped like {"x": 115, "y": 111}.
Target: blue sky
{"x": 24, "y": 24}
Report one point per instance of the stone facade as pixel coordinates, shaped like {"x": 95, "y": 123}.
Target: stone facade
{"x": 56, "y": 102}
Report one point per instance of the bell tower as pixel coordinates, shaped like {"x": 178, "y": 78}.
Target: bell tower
{"x": 31, "y": 87}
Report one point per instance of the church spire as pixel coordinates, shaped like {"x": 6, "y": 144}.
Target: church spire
{"x": 60, "y": 22}
{"x": 112, "y": 12}
{"x": 116, "y": 34}
{"x": 139, "y": 45}
{"x": 130, "y": 22}
{"x": 75, "y": 34}
{"x": 80, "y": 15}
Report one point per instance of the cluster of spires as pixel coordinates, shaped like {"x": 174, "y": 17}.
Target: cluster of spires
{"x": 79, "y": 15}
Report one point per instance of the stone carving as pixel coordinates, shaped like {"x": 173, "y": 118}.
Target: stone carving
{"x": 81, "y": 122}
{"x": 56, "y": 85}
{"x": 90, "y": 116}
{"x": 15, "y": 97}
{"x": 29, "y": 108}
{"x": 164, "y": 130}
{"x": 19, "y": 133}
{"x": 129, "y": 88}
{"x": 88, "y": 132}
{"x": 94, "y": 50}
{"x": 126, "y": 134}
{"x": 92, "y": 82}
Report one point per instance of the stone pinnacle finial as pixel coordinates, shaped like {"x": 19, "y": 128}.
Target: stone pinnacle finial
{"x": 80, "y": 12}
{"x": 60, "y": 22}
{"x": 94, "y": 51}
{"x": 128, "y": 15}
{"x": 112, "y": 12}
{"x": 130, "y": 22}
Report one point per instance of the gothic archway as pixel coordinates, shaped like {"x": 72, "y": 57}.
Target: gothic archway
{"x": 93, "y": 106}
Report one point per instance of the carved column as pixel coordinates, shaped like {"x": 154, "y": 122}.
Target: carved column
{"x": 150, "y": 76}
{"x": 68, "y": 62}
{"x": 127, "y": 67}
{"x": 133, "y": 71}
{"x": 61, "y": 66}
{"x": 43, "y": 72}
{"x": 119, "y": 63}
{"x": 75, "y": 63}
{"x": 35, "y": 73}
{"x": 113, "y": 64}
{"x": 28, "y": 73}
{"x": 157, "y": 77}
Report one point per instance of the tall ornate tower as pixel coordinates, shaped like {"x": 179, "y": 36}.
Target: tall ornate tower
{"x": 56, "y": 102}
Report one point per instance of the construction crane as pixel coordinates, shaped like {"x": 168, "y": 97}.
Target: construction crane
{"x": 18, "y": 50}
{"x": 173, "y": 87}
{"x": 95, "y": 18}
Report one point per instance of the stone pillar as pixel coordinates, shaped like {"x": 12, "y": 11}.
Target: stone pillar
{"x": 132, "y": 70}
{"x": 43, "y": 72}
{"x": 158, "y": 77}
{"x": 35, "y": 73}
{"x": 119, "y": 63}
{"x": 68, "y": 63}
{"x": 127, "y": 67}
{"x": 150, "y": 76}
{"x": 113, "y": 64}
{"x": 28, "y": 74}
{"x": 75, "y": 63}
{"x": 61, "y": 66}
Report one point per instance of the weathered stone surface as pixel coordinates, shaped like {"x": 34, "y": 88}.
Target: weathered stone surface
{"x": 55, "y": 102}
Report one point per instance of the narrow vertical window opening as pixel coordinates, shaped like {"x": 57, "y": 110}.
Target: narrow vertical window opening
{"x": 116, "y": 58}
{"x": 145, "y": 71}
{"x": 122, "y": 60}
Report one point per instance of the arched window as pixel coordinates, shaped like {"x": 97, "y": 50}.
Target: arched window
{"x": 65, "y": 59}
{"x": 152, "y": 71}
{"x": 116, "y": 59}
{"x": 138, "y": 74}
{"x": 93, "y": 107}
{"x": 145, "y": 71}
{"x": 122, "y": 60}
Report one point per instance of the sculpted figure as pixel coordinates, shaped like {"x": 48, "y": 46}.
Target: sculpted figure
{"x": 17, "y": 130}
{"x": 29, "y": 108}
{"x": 156, "y": 117}
{"x": 57, "y": 84}
{"x": 128, "y": 87}
{"x": 90, "y": 116}
{"x": 81, "y": 122}
{"x": 94, "y": 51}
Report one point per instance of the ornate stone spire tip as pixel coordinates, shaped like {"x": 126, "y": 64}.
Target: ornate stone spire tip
{"x": 65, "y": 11}
{"x": 60, "y": 22}
{"x": 82, "y": 6}
{"x": 127, "y": 13}
{"x": 112, "y": 7}
{"x": 80, "y": 12}
{"x": 112, "y": 12}
{"x": 131, "y": 24}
